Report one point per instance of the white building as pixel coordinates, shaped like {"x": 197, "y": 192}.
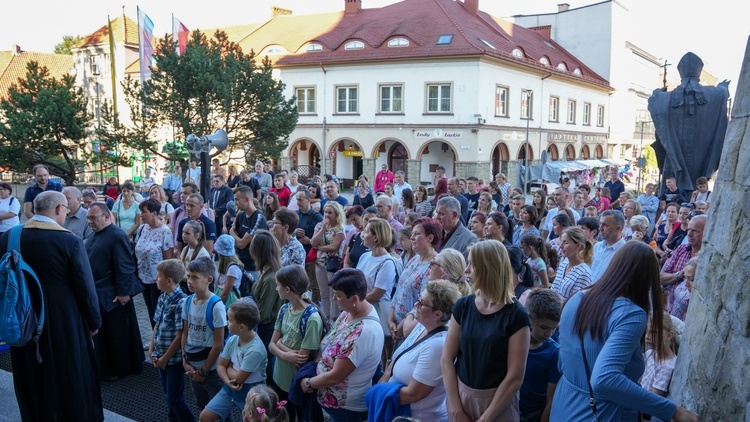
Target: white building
{"x": 426, "y": 82}
{"x": 601, "y": 35}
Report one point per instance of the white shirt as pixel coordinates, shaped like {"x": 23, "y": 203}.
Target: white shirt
{"x": 602, "y": 256}
{"x": 9, "y": 204}
{"x": 399, "y": 189}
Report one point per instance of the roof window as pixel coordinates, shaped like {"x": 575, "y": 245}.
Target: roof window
{"x": 577, "y": 72}
{"x": 562, "y": 67}
{"x": 517, "y": 53}
{"x": 398, "y": 42}
{"x": 313, "y": 47}
{"x": 445, "y": 39}
{"x": 487, "y": 43}
{"x": 354, "y": 45}
{"x": 544, "y": 60}
{"x": 549, "y": 44}
{"x": 275, "y": 49}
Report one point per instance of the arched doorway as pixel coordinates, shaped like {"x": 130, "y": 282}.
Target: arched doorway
{"x": 552, "y": 152}
{"x": 313, "y": 159}
{"x": 522, "y": 154}
{"x": 599, "y": 152}
{"x": 346, "y": 156}
{"x": 570, "y": 153}
{"x": 397, "y": 157}
{"x": 500, "y": 159}
{"x": 585, "y": 152}
{"x": 434, "y": 153}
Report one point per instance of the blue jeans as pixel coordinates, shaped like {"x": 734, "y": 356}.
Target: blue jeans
{"x": 343, "y": 415}
{"x": 173, "y": 383}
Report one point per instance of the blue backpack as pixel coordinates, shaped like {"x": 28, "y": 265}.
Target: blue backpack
{"x": 306, "y": 314}
{"x": 212, "y": 301}
{"x": 21, "y": 297}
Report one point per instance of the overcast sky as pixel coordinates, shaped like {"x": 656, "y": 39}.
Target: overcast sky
{"x": 715, "y": 30}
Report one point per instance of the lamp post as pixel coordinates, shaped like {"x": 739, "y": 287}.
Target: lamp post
{"x": 96, "y": 72}
{"x": 527, "y": 95}
{"x": 641, "y": 159}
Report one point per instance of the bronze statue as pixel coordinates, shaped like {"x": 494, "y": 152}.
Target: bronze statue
{"x": 690, "y": 123}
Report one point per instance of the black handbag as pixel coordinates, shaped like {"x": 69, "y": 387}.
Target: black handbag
{"x": 333, "y": 263}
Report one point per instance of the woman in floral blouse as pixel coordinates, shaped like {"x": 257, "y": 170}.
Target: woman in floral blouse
{"x": 153, "y": 244}
{"x": 329, "y": 234}
{"x": 426, "y": 234}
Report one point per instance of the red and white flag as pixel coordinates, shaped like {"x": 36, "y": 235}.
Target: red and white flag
{"x": 145, "y": 46}
{"x": 180, "y": 34}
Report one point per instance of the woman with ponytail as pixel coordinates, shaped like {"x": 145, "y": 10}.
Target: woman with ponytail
{"x": 523, "y": 276}
{"x": 573, "y": 273}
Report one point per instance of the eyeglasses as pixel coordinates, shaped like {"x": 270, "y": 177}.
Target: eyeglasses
{"x": 434, "y": 262}
{"x": 419, "y": 304}
{"x": 687, "y": 205}
{"x": 93, "y": 217}
{"x": 66, "y": 207}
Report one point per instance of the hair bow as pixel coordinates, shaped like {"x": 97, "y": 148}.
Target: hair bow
{"x": 261, "y": 411}
{"x": 280, "y": 404}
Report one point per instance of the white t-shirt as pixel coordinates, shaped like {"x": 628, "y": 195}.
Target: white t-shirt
{"x": 9, "y": 204}
{"x": 386, "y": 276}
{"x": 199, "y": 334}
{"x": 232, "y": 271}
{"x": 250, "y": 357}
{"x": 422, "y": 364}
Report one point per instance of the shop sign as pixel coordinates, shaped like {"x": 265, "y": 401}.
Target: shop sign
{"x": 562, "y": 137}
{"x": 352, "y": 153}
{"x": 438, "y": 133}
{"x": 594, "y": 139}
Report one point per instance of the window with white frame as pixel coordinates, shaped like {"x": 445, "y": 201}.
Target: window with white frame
{"x": 439, "y": 98}
{"x": 354, "y": 45}
{"x": 398, "y": 42}
{"x": 501, "y": 100}
{"x": 391, "y": 98}
{"x": 587, "y": 114}
{"x": 346, "y": 99}
{"x": 527, "y": 104}
{"x": 572, "y": 111}
{"x": 305, "y": 99}
{"x": 554, "y": 109}
{"x": 600, "y": 115}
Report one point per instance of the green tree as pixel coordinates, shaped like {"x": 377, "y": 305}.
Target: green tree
{"x": 213, "y": 85}
{"x": 650, "y": 155}
{"x": 44, "y": 120}
{"x": 67, "y": 44}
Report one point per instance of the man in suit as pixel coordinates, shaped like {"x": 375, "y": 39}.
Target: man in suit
{"x": 264, "y": 179}
{"x": 218, "y": 198}
{"x": 64, "y": 385}
{"x": 118, "y": 345}
{"x": 455, "y": 234}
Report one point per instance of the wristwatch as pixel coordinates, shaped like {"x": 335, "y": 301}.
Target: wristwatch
{"x": 307, "y": 383}
{"x": 202, "y": 372}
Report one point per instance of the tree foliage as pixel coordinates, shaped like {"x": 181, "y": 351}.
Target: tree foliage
{"x": 44, "y": 120}
{"x": 213, "y": 85}
{"x": 67, "y": 44}
{"x": 650, "y": 155}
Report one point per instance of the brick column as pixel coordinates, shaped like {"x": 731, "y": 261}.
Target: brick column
{"x": 414, "y": 172}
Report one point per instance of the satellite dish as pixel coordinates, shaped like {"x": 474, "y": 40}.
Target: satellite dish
{"x": 544, "y": 157}
{"x": 218, "y": 140}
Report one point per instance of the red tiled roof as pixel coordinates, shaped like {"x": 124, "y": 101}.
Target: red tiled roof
{"x": 123, "y": 28}
{"x": 422, "y": 22}
{"x": 13, "y": 67}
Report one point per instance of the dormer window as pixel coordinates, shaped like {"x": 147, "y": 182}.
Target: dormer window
{"x": 517, "y": 53}
{"x": 275, "y": 50}
{"x": 313, "y": 48}
{"x": 577, "y": 72}
{"x": 445, "y": 39}
{"x": 398, "y": 42}
{"x": 544, "y": 61}
{"x": 562, "y": 67}
{"x": 354, "y": 45}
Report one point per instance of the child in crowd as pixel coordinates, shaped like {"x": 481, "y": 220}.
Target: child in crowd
{"x": 604, "y": 201}
{"x": 591, "y": 211}
{"x": 203, "y": 318}
{"x": 230, "y": 270}
{"x": 263, "y": 405}
{"x": 533, "y": 247}
{"x": 658, "y": 374}
{"x": 242, "y": 364}
{"x": 167, "y": 336}
{"x": 553, "y": 260}
{"x": 194, "y": 238}
{"x": 542, "y": 374}
{"x": 404, "y": 237}
{"x": 297, "y": 331}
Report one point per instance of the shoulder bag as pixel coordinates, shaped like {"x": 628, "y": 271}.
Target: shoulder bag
{"x": 592, "y": 403}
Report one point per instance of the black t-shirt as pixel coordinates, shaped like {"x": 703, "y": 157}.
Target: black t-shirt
{"x": 252, "y": 184}
{"x": 248, "y": 224}
{"x": 356, "y": 249}
{"x": 482, "y": 360}
{"x": 498, "y": 198}
{"x": 307, "y": 222}
{"x": 208, "y": 224}
{"x": 677, "y": 196}
{"x": 473, "y": 199}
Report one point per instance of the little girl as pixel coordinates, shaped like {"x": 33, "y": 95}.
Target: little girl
{"x": 193, "y": 240}
{"x": 658, "y": 375}
{"x": 297, "y": 331}
{"x": 230, "y": 270}
{"x": 404, "y": 237}
{"x": 533, "y": 247}
{"x": 604, "y": 201}
{"x": 263, "y": 405}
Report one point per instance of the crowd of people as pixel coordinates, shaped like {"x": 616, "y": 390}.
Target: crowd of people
{"x": 286, "y": 301}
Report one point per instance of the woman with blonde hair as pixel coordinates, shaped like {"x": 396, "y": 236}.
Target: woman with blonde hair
{"x": 630, "y": 209}
{"x": 573, "y": 272}
{"x": 329, "y": 234}
{"x": 167, "y": 210}
{"x": 482, "y": 382}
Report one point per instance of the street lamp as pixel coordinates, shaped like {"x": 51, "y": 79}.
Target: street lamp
{"x": 96, "y": 72}
{"x": 641, "y": 159}
{"x": 527, "y": 100}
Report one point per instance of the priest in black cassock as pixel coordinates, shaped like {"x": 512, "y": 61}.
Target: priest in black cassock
{"x": 119, "y": 349}
{"x": 65, "y": 385}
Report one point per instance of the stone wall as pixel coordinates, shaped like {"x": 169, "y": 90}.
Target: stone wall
{"x": 711, "y": 376}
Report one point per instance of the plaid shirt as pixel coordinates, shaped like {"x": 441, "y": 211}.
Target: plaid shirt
{"x": 679, "y": 258}
{"x": 168, "y": 319}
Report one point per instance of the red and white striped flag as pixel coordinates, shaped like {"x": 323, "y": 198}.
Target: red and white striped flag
{"x": 180, "y": 34}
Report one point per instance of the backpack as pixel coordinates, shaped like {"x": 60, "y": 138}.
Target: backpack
{"x": 246, "y": 286}
{"x": 212, "y": 301}
{"x": 21, "y": 297}
{"x": 306, "y": 314}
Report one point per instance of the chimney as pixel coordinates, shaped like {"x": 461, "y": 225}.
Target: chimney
{"x": 15, "y": 50}
{"x": 471, "y": 6}
{"x": 352, "y": 7}
{"x": 276, "y": 11}
{"x": 563, "y": 7}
